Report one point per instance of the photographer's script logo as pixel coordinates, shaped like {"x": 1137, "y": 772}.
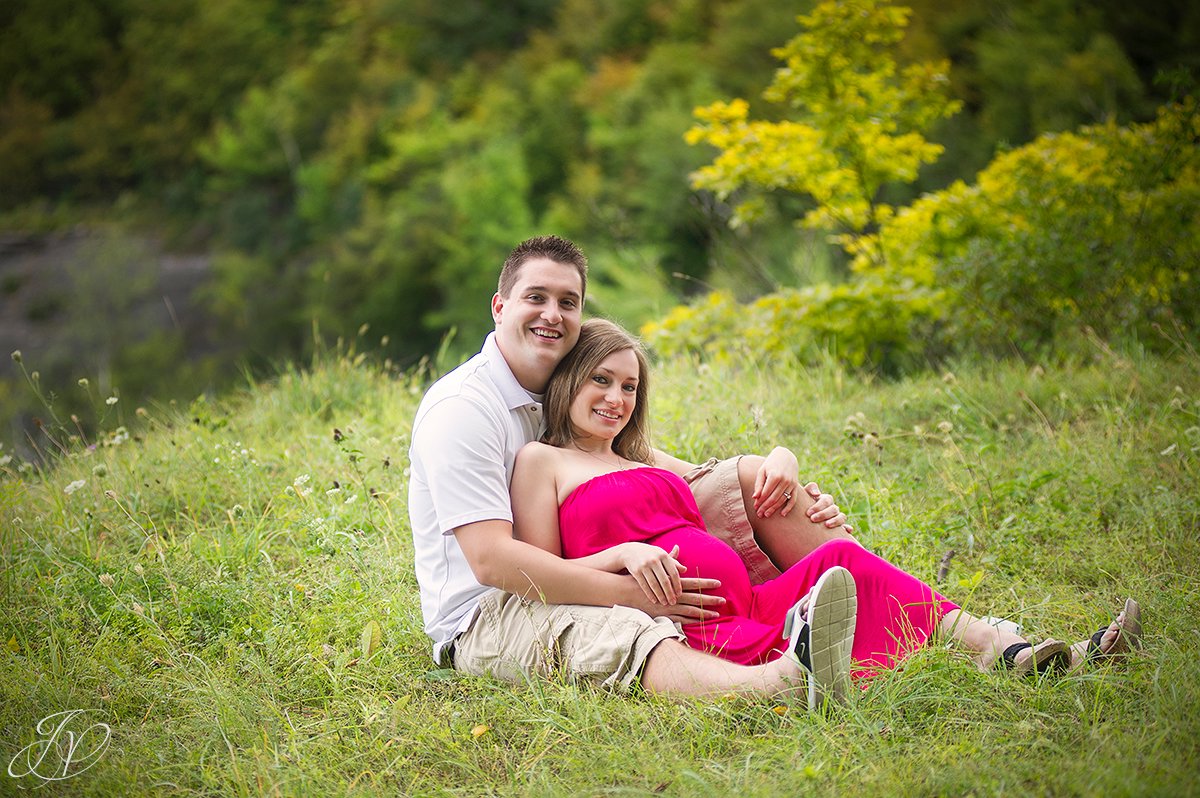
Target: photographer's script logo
{"x": 68, "y": 746}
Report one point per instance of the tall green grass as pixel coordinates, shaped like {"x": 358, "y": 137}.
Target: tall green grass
{"x": 207, "y": 587}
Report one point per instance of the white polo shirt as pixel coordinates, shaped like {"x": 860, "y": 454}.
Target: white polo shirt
{"x": 465, "y": 437}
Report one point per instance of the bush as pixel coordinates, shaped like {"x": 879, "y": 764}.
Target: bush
{"x": 1075, "y": 232}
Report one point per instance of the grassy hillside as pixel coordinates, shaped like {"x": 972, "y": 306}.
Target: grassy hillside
{"x": 208, "y": 587}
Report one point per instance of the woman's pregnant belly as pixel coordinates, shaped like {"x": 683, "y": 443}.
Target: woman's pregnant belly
{"x": 709, "y": 558}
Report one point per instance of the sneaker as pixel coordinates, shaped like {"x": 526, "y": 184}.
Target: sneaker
{"x": 822, "y": 644}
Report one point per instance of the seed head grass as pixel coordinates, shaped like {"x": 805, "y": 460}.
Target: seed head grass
{"x": 230, "y": 588}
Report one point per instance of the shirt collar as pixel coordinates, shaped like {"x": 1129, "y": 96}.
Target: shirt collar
{"x": 510, "y": 390}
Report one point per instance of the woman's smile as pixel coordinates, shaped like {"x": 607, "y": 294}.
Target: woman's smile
{"x": 602, "y": 406}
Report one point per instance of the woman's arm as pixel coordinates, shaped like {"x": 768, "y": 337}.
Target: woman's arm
{"x": 670, "y": 463}
{"x": 534, "y": 491}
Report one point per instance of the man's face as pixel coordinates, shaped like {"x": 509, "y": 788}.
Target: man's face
{"x": 537, "y": 324}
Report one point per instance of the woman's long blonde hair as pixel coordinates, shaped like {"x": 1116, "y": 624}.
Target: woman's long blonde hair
{"x": 598, "y": 339}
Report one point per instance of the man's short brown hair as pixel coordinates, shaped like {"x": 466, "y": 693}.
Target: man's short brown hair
{"x": 553, "y": 248}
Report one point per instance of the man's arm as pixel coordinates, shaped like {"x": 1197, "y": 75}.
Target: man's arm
{"x": 499, "y": 560}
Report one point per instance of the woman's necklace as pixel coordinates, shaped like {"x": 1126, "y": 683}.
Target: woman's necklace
{"x": 621, "y": 465}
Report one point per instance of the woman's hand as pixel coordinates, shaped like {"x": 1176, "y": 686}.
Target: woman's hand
{"x": 656, "y": 571}
{"x": 776, "y": 484}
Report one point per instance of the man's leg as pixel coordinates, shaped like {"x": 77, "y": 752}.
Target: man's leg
{"x": 674, "y": 669}
{"x": 514, "y": 639}
{"x": 786, "y": 540}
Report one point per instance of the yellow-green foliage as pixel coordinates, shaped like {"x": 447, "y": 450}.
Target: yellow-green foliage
{"x": 867, "y": 321}
{"x": 1094, "y": 229}
{"x": 858, "y": 119}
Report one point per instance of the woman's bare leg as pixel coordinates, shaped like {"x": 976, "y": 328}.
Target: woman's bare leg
{"x": 785, "y": 539}
{"x": 984, "y": 641}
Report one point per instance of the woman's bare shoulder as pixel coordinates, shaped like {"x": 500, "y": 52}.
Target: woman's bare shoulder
{"x": 536, "y": 453}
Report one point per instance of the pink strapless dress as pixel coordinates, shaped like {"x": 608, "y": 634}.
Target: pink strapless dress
{"x": 897, "y": 612}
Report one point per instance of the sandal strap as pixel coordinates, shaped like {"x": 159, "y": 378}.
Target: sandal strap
{"x": 1009, "y": 658}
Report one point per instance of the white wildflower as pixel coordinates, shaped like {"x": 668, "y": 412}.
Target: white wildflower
{"x": 74, "y": 486}
{"x": 110, "y": 401}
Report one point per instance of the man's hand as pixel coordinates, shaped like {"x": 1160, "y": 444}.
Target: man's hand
{"x": 694, "y": 603}
{"x": 824, "y": 511}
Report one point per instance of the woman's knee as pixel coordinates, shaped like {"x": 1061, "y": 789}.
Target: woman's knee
{"x": 839, "y": 551}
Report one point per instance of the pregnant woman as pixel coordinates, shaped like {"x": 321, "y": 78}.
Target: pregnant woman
{"x": 594, "y": 491}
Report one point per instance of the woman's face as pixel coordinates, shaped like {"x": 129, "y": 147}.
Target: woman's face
{"x": 605, "y": 401}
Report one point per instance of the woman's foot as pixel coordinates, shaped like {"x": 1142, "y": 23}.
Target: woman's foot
{"x": 1122, "y": 635}
{"x": 1026, "y": 659}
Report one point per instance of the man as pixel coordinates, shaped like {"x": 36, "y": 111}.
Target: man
{"x": 493, "y": 604}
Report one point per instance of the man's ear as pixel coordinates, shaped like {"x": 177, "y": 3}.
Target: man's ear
{"x": 497, "y": 307}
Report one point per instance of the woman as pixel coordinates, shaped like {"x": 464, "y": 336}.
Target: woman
{"x": 595, "y": 491}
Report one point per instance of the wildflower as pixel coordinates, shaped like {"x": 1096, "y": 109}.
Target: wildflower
{"x": 110, "y": 401}
{"x": 16, "y": 355}
{"x": 353, "y": 497}
{"x": 35, "y": 376}
{"x": 480, "y": 730}
{"x": 5, "y": 460}
{"x": 141, "y": 412}
{"x": 779, "y": 710}
{"x": 107, "y": 580}
{"x": 112, "y": 494}
{"x": 298, "y": 484}
{"x": 139, "y": 609}
{"x": 945, "y": 427}
{"x": 100, "y": 470}
{"x": 138, "y": 569}
{"x": 83, "y": 382}
{"x": 74, "y": 486}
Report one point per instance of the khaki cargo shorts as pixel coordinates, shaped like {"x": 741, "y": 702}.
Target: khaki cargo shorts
{"x": 513, "y": 639}
{"x": 719, "y": 496}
